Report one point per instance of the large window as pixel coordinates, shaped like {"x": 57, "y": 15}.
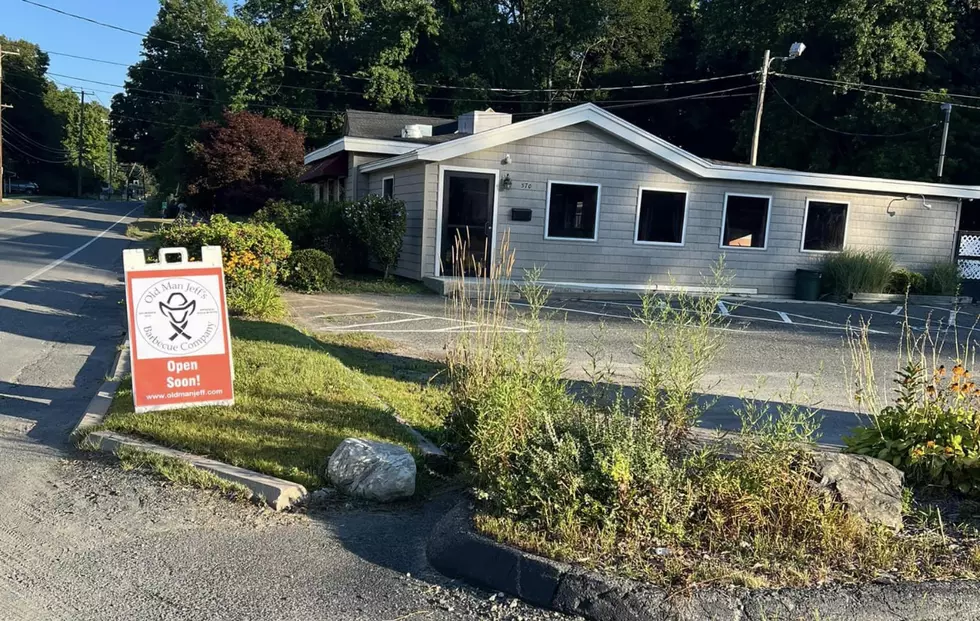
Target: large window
{"x": 824, "y": 226}
{"x": 746, "y": 221}
{"x": 573, "y": 211}
{"x": 660, "y": 217}
{"x": 388, "y": 187}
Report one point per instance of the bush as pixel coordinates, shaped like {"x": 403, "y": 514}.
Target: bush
{"x": 379, "y": 224}
{"x": 590, "y": 476}
{"x": 252, "y": 256}
{"x": 308, "y": 270}
{"x": 904, "y": 281}
{"x": 250, "y": 251}
{"x": 153, "y": 206}
{"x": 317, "y": 225}
{"x": 293, "y": 219}
{"x": 852, "y": 271}
{"x": 944, "y": 278}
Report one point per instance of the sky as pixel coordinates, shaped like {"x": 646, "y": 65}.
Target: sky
{"x": 59, "y": 33}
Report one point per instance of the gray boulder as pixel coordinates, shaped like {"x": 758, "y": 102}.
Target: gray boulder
{"x": 372, "y": 470}
{"x": 868, "y": 487}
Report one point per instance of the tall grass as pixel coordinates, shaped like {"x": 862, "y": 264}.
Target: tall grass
{"x": 856, "y": 271}
{"x": 943, "y": 278}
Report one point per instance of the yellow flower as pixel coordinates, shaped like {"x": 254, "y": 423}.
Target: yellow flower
{"x": 930, "y": 444}
{"x": 958, "y": 370}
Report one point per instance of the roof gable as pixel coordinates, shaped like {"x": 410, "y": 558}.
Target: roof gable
{"x": 660, "y": 148}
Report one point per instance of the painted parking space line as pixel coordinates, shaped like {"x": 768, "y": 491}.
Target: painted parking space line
{"x": 898, "y": 310}
{"x": 723, "y": 309}
{"x": 784, "y": 317}
{"x": 788, "y": 315}
{"x": 386, "y": 323}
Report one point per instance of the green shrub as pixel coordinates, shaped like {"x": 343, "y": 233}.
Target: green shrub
{"x": 250, "y": 251}
{"x": 317, "y": 225}
{"x": 293, "y": 219}
{"x": 944, "y": 278}
{"x": 904, "y": 281}
{"x": 853, "y": 271}
{"x": 257, "y": 298}
{"x": 153, "y": 206}
{"x": 308, "y": 270}
{"x": 379, "y": 224}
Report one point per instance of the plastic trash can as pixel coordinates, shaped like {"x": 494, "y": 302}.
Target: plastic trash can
{"x": 808, "y": 284}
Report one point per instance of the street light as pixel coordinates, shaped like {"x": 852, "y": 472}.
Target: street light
{"x": 795, "y": 51}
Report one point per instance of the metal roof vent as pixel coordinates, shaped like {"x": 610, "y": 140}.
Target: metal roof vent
{"x": 417, "y": 131}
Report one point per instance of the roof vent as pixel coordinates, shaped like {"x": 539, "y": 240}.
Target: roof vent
{"x": 416, "y": 131}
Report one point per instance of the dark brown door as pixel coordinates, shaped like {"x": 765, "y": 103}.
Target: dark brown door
{"x": 467, "y": 222}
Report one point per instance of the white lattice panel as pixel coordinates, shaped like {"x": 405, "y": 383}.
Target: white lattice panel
{"x": 969, "y": 269}
{"x": 970, "y": 245}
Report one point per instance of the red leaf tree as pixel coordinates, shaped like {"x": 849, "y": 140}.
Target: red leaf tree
{"x": 239, "y": 164}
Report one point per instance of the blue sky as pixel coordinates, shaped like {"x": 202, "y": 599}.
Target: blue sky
{"x": 60, "y": 33}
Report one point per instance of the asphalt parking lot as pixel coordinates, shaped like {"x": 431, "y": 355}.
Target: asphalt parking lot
{"x": 774, "y": 350}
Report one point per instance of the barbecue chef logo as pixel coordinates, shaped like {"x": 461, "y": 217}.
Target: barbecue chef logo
{"x": 178, "y": 316}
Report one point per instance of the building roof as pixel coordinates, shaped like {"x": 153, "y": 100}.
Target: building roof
{"x": 382, "y": 125}
{"x": 663, "y": 150}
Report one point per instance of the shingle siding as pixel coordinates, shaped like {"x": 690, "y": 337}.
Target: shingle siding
{"x": 915, "y": 236}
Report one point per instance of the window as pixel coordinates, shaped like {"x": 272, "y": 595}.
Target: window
{"x": 823, "y": 226}
{"x": 746, "y": 221}
{"x": 573, "y": 211}
{"x": 660, "y": 217}
{"x": 342, "y": 189}
{"x": 388, "y": 187}
{"x": 330, "y": 191}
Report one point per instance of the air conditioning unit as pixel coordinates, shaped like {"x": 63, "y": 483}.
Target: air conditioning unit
{"x": 416, "y": 131}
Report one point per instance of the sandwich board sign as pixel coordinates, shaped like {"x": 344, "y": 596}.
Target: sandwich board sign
{"x": 179, "y": 341}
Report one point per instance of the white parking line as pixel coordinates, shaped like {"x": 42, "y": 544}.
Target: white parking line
{"x": 784, "y": 317}
{"x": 723, "y": 309}
{"x": 898, "y": 310}
{"x": 386, "y": 323}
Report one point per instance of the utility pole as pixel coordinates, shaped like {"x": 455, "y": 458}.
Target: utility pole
{"x": 2, "y": 106}
{"x": 758, "y": 108}
{"x": 946, "y": 108}
{"x": 81, "y": 130}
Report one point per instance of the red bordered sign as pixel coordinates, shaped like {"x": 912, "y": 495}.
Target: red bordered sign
{"x": 180, "y": 345}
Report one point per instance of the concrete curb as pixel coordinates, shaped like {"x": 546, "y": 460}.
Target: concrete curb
{"x": 457, "y": 551}
{"x": 277, "y": 493}
{"x": 99, "y": 405}
{"x": 899, "y": 298}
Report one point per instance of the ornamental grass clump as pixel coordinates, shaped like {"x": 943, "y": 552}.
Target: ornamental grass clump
{"x": 585, "y": 473}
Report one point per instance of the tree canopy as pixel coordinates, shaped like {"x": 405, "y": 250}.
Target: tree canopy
{"x": 305, "y": 61}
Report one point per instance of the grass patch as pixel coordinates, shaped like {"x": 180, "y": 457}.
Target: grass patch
{"x": 146, "y": 228}
{"x": 374, "y": 283}
{"x": 857, "y": 271}
{"x": 295, "y": 402}
{"x": 180, "y": 472}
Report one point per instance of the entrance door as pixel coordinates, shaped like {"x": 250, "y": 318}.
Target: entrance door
{"x": 467, "y": 222}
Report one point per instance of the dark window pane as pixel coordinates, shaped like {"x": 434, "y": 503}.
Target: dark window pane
{"x": 825, "y": 223}
{"x": 661, "y": 217}
{"x": 745, "y": 221}
{"x": 572, "y": 211}
{"x": 388, "y": 187}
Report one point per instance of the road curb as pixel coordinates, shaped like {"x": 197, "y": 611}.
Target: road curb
{"x": 456, "y": 550}
{"x": 277, "y": 493}
{"x": 99, "y": 405}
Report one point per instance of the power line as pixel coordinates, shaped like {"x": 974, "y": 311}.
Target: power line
{"x": 873, "y": 90}
{"x": 720, "y": 94}
{"x": 877, "y": 86}
{"x": 845, "y": 133}
{"x": 23, "y": 136}
{"x": 422, "y": 84}
{"x": 7, "y": 142}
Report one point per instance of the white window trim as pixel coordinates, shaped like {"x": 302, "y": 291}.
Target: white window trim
{"x": 439, "y": 194}
{"x": 806, "y": 216}
{"x": 724, "y": 220}
{"x": 636, "y": 226}
{"x": 383, "y": 179}
{"x": 547, "y": 212}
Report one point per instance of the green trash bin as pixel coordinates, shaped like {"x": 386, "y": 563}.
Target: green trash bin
{"x": 808, "y": 284}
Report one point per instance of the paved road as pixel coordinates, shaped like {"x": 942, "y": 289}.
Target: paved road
{"x": 82, "y": 540}
{"x": 767, "y": 345}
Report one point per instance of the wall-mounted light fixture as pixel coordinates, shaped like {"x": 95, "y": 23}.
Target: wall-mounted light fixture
{"x": 506, "y": 184}
{"x": 892, "y": 212}
{"x": 506, "y": 159}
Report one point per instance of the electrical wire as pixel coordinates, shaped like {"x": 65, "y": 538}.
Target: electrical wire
{"x": 873, "y": 90}
{"x": 10, "y": 144}
{"x": 709, "y": 95}
{"x": 422, "y": 84}
{"x": 876, "y": 86}
{"x": 7, "y": 125}
{"x": 845, "y": 133}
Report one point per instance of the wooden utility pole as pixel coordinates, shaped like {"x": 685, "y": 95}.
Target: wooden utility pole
{"x": 754, "y": 156}
{"x": 81, "y": 131}
{"x": 2, "y": 106}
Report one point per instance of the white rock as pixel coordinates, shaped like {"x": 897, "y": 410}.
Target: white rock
{"x": 372, "y": 470}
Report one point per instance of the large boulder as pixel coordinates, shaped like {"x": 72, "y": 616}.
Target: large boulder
{"x": 372, "y": 470}
{"x": 868, "y": 487}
